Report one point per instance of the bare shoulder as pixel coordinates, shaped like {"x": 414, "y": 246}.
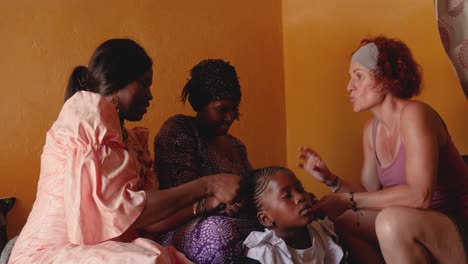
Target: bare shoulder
{"x": 418, "y": 118}
{"x": 417, "y": 109}
{"x": 417, "y": 113}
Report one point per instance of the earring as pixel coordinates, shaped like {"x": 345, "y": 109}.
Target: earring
{"x": 115, "y": 101}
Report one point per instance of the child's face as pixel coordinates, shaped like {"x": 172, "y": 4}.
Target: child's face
{"x": 285, "y": 203}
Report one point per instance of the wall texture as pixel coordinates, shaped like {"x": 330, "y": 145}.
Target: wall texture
{"x": 43, "y": 40}
{"x": 318, "y": 38}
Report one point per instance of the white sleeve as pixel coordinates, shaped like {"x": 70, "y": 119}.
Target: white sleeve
{"x": 265, "y": 253}
{"x": 333, "y": 252}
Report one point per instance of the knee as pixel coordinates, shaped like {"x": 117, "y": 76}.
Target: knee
{"x": 391, "y": 223}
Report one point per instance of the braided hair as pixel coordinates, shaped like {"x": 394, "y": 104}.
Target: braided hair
{"x": 260, "y": 179}
{"x": 211, "y": 80}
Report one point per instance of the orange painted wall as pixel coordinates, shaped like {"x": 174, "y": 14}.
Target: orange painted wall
{"x": 318, "y": 37}
{"x": 43, "y": 40}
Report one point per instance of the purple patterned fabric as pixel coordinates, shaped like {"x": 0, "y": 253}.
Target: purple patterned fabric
{"x": 182, "y": 155}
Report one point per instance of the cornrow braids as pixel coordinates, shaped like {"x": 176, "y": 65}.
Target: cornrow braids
{"x": 260, "y": 179}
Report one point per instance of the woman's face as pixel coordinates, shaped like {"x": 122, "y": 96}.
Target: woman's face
{"x": 217, "y": 116}
{"x": 135, "y": 98}
{"x": 364, "y": 90}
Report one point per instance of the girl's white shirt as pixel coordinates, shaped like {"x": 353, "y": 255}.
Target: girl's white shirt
{"x": 266, "y": 247}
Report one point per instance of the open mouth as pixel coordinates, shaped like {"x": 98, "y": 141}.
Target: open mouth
{"x": 306, "y": 210}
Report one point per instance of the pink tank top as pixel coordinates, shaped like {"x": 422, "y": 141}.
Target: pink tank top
{"x": 450, "y": 195}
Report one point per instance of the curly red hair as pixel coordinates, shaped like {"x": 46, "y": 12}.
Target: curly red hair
{"x": 396, "y": 68}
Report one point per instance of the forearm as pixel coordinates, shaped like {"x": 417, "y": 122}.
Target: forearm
{"x": 341, "y": 185}
{"x": 163, "y": 203}
{"x": 400, "y": 195}
{"x": 171, "y": 222}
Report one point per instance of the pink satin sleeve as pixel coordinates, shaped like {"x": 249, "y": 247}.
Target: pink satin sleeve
{"x": 101, "y": 198}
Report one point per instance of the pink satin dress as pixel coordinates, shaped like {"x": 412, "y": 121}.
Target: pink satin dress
{"x": 91, "y": 189}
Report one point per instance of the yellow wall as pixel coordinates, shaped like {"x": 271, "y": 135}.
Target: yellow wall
{"x": 318, "y": 37}
{"x": 43, "y": 40}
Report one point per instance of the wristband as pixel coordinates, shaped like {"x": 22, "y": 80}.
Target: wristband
{"x": 335, "y": 185}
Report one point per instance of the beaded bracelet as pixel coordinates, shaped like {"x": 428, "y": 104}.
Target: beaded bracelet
{"x": 354, "y": 204}
{"x": 354, "y": 207}
{"x": 335, "y": 185}
{"x": 203, "y": 207}
{"x": 195, "y": 207}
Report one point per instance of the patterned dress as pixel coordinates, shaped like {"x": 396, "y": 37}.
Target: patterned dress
{"x": 182, "y": 154}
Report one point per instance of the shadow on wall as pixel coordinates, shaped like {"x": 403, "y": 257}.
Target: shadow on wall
{"x": 452, "y": 18}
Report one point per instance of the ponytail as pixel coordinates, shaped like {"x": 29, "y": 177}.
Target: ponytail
{"x": 78, "y": 82}
{"x": 114, "y": 64}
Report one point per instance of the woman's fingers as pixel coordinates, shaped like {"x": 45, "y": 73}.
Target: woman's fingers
{"x": 306, "y": 155}
{"x": 234, "y": 209}
{"x": 225, "y": 187}
{"x": 305, "y": 149}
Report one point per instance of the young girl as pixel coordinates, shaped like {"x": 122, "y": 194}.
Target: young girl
{"x": 291, "y": 234}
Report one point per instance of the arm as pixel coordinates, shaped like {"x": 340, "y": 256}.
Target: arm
{"x": 175, "y": 163}
{"x": 182, "y": 216}
{"x": 422, "y": 133}
{"x": 101, "y": 196}
{"x": 163, "y": 203}
{"x": 171, "y": 222}
{"x": 313, "y": 164}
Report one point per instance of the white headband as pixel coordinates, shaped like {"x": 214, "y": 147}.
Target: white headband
{"x": 367, "y": 56}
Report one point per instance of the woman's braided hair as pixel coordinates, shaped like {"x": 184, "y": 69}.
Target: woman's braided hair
{"x": 211, "y": 80}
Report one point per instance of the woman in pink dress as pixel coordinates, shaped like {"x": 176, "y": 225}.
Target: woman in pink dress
{"x": 96, "y": 186}
{"x": 412, "y": 200}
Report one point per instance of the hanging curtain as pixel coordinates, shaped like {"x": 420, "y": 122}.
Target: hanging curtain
{"x": 452, "y": 18}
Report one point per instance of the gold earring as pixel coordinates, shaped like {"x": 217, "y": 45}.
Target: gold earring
{"x": 115, "y": 101}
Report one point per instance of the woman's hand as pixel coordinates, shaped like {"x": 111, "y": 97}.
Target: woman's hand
{"x": 233, "y": 209}
{"x": 213, "y": 205}
{"x": 224, "y": 187}
{"x": 312, "y": 163}
{"x": 334, "y": 205}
